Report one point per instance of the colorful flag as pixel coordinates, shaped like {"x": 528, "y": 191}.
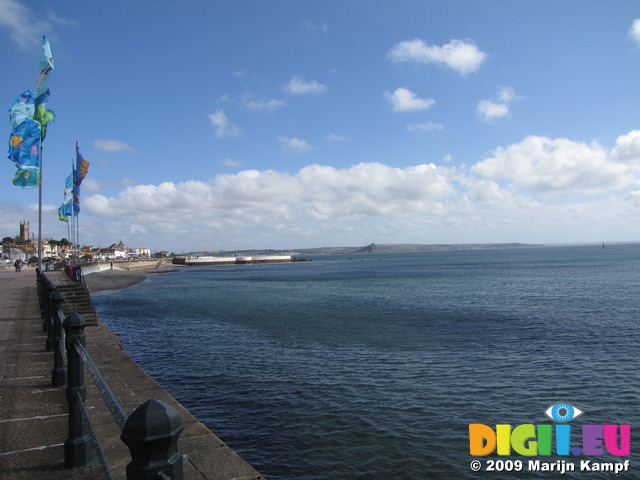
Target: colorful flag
{"x": 26, "y": 179}
{"x": 68, "y": 189}
{"x": 66, "y": 210}
{"x": 22, "y": 109}
{"x": 29, "y": 119}
{"x": 46, "y": 67}
{"x": 24, "y": 145}
{"x": 82, "y": 167}
{"x": 61, "y": 216}
{"x": 43, "y": 117}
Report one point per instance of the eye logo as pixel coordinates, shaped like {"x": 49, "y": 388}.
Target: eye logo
{"x": 563, "y": 412}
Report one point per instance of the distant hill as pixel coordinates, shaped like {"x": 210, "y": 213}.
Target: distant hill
{"x": 371, "y": 248}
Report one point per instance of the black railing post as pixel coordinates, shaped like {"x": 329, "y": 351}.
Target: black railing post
{"x": 46, "y": 304}
{"x": 151, "y": 432}
{"x": 59, "y": 372}
{"x": 39, "y": 285}
{"x": 77, "y": 447}
{"x": 51, "y": 308}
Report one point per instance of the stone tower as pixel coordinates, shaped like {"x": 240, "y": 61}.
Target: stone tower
{"x": 24, "y": 231}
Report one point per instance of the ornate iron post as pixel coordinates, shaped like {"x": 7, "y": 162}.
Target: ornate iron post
{"x": 59, "y": 372}
{"x": 151, "y": 432}
{"x": 77, "y": 447}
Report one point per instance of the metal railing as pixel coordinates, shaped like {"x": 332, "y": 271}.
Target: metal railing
{"x": 151, "y": 431}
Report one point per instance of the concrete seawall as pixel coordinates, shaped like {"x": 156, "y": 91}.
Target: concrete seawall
{"x": 88, "y": 268}
{"x": 33, "y": 417}
{"x": 237, "y": 260}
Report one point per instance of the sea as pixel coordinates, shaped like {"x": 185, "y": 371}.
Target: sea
{"x": 373, "y": 365}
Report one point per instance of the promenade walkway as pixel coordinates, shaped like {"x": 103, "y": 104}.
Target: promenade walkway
{"x": 33, "y": 414}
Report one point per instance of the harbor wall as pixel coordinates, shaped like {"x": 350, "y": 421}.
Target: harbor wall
{"x": 95, "y": 267}
{"x": 233, "y": 260}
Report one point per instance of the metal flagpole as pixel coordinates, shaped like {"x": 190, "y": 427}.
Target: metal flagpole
{"x": 40, "y": 210}
{"x": 73, "y": 210}
{"x": 78, "y": 235}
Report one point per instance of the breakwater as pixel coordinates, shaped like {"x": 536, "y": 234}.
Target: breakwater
{"x": 237, "y": 260}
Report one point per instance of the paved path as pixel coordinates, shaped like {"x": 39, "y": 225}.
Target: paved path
{"x": 33, "y": 415}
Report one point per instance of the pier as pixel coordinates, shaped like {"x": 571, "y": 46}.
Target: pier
{"x": 34, "y": 419}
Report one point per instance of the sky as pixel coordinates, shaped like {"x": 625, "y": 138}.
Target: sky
{"x": 223, "y": 125}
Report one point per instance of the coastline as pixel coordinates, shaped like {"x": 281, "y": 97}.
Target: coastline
{"x": 118, "y": 279}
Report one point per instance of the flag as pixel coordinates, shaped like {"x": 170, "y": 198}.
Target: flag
{"x": 43, "y": 117}
{"x": 82, "y": 167}
{"x": 46, "y": 67}
{"x": 66, "y": 210}
{"x": 68, "y": 189}
{"x": 41, "y": 114}
{"x": 26, "y": 179}
{"x": 24, "y": 145}
{"x": 23, "y": 108}
{"x": 29, "y": 119}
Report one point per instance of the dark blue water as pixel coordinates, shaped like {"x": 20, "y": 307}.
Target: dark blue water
{"x": 372, "y": 366}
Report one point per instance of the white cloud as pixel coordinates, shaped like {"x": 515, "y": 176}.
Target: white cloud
{"x": 504, "y": 197}
{"x": 90, "y": 185}
{"x": 490, "y": 110}
{"x": 299, "y": 86}
{"x": 557, "y": 166}
{"x": 294, "y": 145}
{"x": 18, "y": 20}
{"x": 425, "y": 127}
{"x": 25, "y": 29}
{"x": 222, "y": 126}
{"x": 461, "y": 56}
{"x": 337, "y": 138}
{"x": 111, "y": 146}
{"x": 315, "y": 192}
{"x": 321, "y": 27}
{"x": 231, "y": 162}
{"x": 627, "y": 148}
{"x": 404, "y": 100}
{"x": 634, "y": 31}
{"x": 262, "y": 104}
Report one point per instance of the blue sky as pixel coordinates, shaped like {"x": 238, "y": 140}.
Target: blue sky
{"x": 291, "y": 124}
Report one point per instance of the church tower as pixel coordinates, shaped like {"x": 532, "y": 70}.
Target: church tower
{"x": 24, "y": 231}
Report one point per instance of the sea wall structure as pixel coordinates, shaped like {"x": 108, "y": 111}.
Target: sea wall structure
{"x": 237, "y": 260}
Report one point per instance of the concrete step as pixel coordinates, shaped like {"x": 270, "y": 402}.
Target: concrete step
{"x": 77, "y": 299}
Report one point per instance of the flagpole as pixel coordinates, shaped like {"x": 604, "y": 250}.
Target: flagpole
{"x": 73, "y": 210}
{"x": 78, "y": 236}
{"x": 40, "y": 212}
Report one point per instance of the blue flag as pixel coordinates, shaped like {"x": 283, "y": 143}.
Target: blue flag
{"x": 29, "y": 119}
{"x": 82, "y": 167}
{"x": 46, "y": 67}
{"x": 66, "y": 210}
{"x": 24, "y": 145}
{"x": 22, "y": 109}
{"x": 68, "y": 189}
{"x": 26, "y": 179}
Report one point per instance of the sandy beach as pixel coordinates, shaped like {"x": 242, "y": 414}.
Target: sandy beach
{"x": 117, "y": 279}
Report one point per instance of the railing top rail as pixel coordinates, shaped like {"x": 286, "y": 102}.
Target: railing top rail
{"x": 114, "y": 406}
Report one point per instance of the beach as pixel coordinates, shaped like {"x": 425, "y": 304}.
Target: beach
{"x": 117, "y": 279}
